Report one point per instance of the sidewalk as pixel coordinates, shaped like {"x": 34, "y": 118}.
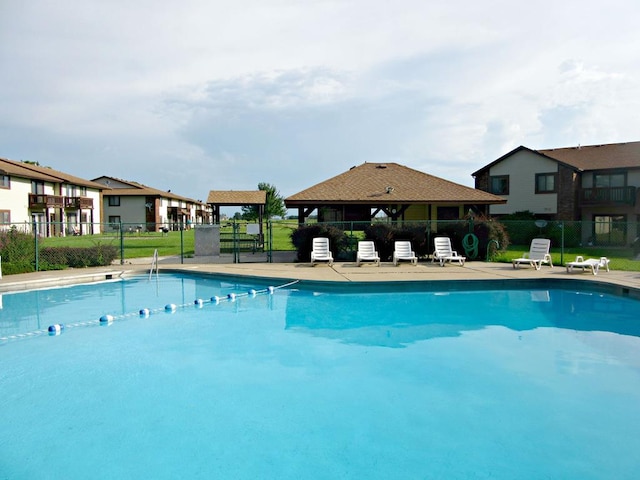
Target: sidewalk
{"x": 339, "y": 272}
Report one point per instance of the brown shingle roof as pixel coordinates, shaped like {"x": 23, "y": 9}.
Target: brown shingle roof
{"x": 591, "y": 157}
{"x": 237, "y": 197}
{"x": 45, "y": 174}
{"x": 138, "y": 189}
{"x": 377, "y": 183}
{"x": 598, "y": 157}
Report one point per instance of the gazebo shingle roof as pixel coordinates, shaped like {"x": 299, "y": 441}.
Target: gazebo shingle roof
{"x": 237, "y": 197}
{"x": 385, "y": 183}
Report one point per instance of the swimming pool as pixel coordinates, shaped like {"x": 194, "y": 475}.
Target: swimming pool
{"x": 320, "y": 383}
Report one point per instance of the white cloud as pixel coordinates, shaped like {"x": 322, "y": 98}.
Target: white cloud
{"x": 218, "y": 94}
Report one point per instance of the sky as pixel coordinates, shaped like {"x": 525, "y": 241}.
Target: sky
{"x": 203, "y": 95}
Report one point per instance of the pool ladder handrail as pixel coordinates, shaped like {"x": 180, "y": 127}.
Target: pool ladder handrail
{"x": 154, "y": 263}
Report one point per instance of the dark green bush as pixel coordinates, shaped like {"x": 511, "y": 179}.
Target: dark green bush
{"x": 302, "y": 239}
{"x": 384, "y": 235}
{"x": 17, "y": 250}
{"x": 55, "y": 258}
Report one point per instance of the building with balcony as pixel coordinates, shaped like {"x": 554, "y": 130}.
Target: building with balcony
{"x": 134, "y": 206}
{"x": 596, "y": 184}
{"x": 47, "y": 201}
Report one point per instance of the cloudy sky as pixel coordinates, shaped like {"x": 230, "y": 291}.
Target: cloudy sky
{"x": 202, "y": 95}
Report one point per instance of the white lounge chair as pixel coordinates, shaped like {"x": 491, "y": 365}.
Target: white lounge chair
{"x": 367, "y": 253}
{"x": 320, "y": 251}
{"x": 402, "y": 251}
{"x": 445, "y": 253}
{"x": 594, "y": 264}
{"x": 538, "y": 254}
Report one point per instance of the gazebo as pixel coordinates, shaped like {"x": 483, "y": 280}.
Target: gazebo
{"x": 236, "y": 198}
{"x": 401, "y": 193}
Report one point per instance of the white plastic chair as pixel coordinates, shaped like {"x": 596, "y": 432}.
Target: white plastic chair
{"x": 538, "y": 254}
{"x": 367, "y": 253}
{"x": 445, "y": 253}
{"x": 320, "y": 251}
{"x": 593, "y": 264}
{"x": 402, "y": 251}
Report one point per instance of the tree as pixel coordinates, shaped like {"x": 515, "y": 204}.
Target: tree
{"x": 273, "y": 208}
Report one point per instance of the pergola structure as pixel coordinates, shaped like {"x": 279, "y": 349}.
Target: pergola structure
{"x": 401, "y": 193}
{"x": 237, "y": 198}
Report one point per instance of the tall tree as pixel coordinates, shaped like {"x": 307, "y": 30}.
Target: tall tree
{"x": 273, "y": 208}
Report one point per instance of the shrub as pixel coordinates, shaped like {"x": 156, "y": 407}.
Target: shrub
{"x": 56, "y": 258}
{"x": 17, "y": 250}
{"x": 302, "y": 239}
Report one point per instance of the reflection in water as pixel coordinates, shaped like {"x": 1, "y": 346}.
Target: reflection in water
{"x": 398, "y": 319}
{"x": 37, "y": 309}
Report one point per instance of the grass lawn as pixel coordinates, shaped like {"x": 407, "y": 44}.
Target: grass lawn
{"x": 138, "y": 245}
{"x": 620, "y": 258}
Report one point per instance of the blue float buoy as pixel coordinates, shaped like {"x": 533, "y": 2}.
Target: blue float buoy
{"x": 252, "y": 292}
{"x": 215, "y": 299}
{"x": 232, "y": 297}
{"x": 171, "y": 307}
{"x": 106, "y": 319}
{"x": 198, "y": 302}
{"x": 56, "y": 329}
{"x": 144, "y": 312}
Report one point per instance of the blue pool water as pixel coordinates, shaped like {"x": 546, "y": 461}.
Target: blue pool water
{"x": 304, "y": 384}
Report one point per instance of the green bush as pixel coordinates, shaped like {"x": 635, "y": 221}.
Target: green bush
{"x": 302, "y": 239}
{"x": 55, "y": 258}
{"x": 384, "y": 235}
{"x": 17, "y": 250}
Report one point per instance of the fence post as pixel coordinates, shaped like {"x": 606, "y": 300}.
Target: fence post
{"x": 561, "y": 225}
{"x": 270, "y": 236}
{"x": 181, "y": 242}
{"x": 121, "y": 243}
{"x": 235, "y": 228}
{"x": 35, "y": 242}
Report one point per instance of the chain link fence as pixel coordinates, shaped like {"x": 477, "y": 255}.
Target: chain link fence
{"x": 28, "y": 247}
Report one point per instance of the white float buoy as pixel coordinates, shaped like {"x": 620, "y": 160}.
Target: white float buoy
{"x": 144, "y": 312}
{"x": 56, "y": 329}
{"x": 106, "y": 319}
{"x": 171, "y": 307}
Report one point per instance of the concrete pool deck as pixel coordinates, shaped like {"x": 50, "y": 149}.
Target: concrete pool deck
{"x": 338, "y": 272}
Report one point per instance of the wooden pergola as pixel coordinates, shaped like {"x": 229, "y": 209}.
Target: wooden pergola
{"x": 237, "y": 198}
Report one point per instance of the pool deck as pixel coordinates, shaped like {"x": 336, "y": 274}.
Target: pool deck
{"x": 338, "y": 272}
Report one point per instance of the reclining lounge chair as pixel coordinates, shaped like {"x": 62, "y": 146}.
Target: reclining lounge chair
{"x": 538, "y": 254}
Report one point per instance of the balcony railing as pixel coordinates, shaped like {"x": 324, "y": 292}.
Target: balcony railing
{"x": 608, "y": 196}
{"x": 58, "y": 201}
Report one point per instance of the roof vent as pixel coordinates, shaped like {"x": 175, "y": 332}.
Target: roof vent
{"x": 382, "y": 165}
{"x": 389, "y": 189}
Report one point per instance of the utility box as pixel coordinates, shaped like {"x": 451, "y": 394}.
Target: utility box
{"x": 207, "y": 240}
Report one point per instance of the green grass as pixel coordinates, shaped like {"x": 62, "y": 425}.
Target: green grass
{"x": 620, "y": 258}
{"x": 144, "y": 244}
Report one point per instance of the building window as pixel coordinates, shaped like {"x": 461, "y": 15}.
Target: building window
{"x": 546, "y": 182}
{"x": 5, "y": 217}
{"x": 114, "y": 201}
{"x": 499, "y": 185}
{"x": 607, "y": 180}
{"x": 5, "y": 182}
{"x": 37, "y": 188}
{"x": 114, "y": 222}
{"x": 609, "y": 230}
